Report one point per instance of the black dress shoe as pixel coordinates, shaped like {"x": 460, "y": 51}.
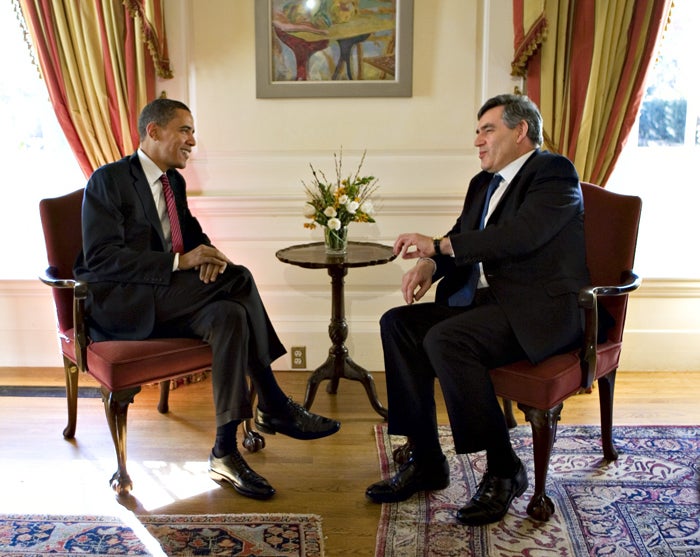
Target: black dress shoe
{"x": 295, "y": 421}
{"x": 493, "y": 498}
{"x": 234, "y": 470}
{"x": 412, "y": 477}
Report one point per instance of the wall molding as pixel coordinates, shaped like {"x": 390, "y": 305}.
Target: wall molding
{"x": 654, "y": 340}
{"x": 662, "y": 330}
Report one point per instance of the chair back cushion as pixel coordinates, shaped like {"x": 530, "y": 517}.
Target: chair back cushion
{"x": 611, "y": 223}
{"x": 61, "y": 223}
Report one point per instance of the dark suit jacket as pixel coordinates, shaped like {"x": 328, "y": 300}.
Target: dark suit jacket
{"x": 124, "y": 254}
{"x": 532, "y": 249}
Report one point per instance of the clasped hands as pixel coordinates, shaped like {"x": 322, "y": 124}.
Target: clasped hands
{"x": 208, "y": 260}
{"x": 417, "y": 280}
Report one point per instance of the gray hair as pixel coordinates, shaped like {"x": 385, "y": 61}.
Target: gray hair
{"x": 517, "y": 108}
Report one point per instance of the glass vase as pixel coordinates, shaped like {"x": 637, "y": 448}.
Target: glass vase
{"x": 336, "y": 240}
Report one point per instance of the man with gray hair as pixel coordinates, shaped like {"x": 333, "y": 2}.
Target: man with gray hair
{"x": 510, "y": 270}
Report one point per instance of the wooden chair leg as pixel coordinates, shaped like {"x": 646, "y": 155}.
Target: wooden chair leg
{"x": 252, "y": 440}
{"x": 163, "y": 405}
{"x": 511, "y": 422}
{"x": 606, "y": 392}
{"x": 544, "y": 432}
{"x": 402, "y": 454}
{"x": 116, "y": 407}
{"x": 71, "y": 371}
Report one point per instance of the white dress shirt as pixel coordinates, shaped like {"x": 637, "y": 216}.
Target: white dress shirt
{"x": 507, "y": 174}
{"x": 153, "y": 174}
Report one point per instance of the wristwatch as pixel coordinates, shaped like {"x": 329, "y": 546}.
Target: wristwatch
{"x": 436, "y": 245}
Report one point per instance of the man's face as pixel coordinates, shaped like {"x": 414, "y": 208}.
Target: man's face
{"x": 498, "y": 145}
{"x": 170, "y": 146}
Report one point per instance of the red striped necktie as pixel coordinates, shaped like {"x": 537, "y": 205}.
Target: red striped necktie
{"x": 175, "y": 232}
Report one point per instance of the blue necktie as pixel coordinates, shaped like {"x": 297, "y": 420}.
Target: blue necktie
{"x": 465, "y": 295}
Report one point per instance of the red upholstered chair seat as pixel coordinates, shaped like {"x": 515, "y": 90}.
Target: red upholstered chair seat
{"x": 124, "y": 364}
{"x": 551, "y": 382}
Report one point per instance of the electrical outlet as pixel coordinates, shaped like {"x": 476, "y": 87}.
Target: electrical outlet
{"x": 298, "y": 357}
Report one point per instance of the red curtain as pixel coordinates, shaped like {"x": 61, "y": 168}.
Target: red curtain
{"x": 585, "y": 64}
{"x": 99, "y": 60}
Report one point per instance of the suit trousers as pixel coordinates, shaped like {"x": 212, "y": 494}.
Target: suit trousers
{"x": 229, "y": 315}
{"x": 458, "y": 346}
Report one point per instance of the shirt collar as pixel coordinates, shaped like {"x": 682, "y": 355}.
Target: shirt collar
{"x": 150, "y": 169}
{"x": 509, "y": 171}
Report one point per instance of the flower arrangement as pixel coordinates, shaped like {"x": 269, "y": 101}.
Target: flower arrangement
{"x": 335, "y": 204}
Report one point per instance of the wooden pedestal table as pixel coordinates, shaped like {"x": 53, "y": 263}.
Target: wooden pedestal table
{"x": 338, "y": 364}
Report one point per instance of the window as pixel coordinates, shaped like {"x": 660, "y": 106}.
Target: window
{"x": 37, "y": 160}
{"x": 660, "y": 161}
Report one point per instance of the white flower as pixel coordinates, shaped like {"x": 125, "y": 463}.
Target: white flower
{"x": 367, "y": 207}
{"x": 352, "y": 207}
{"x": 309, "y": 211}
{"x": 334, "y": 204}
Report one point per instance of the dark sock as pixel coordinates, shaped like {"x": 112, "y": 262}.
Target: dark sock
{"x": 270, "y": 395}
{"x": 427, "y": 451}
{"x": 225, "y": 442}
{"x": 502, "y": 462}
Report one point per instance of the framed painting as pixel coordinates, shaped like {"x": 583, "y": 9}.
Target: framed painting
{"x": 334, "y": 48}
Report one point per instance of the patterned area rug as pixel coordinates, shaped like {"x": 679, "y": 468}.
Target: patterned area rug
{"x": 268, "y": 535}
{"x": 647, "y": 503}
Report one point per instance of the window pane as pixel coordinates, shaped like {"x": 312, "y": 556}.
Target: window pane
{"x": 661, "y": 167}
{"x": 37, "y": 160}
{"x": 662, "y": 122}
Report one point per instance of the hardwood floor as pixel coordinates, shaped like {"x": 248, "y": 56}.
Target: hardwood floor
{"x": 41, "y": 472}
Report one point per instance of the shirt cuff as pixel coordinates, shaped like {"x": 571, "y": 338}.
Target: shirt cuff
{"x": 176, "y": 261}
{"x": 431, "y": 260}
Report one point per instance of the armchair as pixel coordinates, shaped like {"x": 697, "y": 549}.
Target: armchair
{"x": 611, "y": 225}
{"x": 121, "y": 367}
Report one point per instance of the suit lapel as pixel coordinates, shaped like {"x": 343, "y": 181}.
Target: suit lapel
{"x": 512, "y": 187}
{"x": 474, "y": 202}
{"x": 143, "y": 191}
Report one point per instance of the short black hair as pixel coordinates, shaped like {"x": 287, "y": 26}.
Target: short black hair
{"x": 160, "y": 111}
{"x": 515, "y": 109}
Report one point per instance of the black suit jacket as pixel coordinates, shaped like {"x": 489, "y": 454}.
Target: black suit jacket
{"x": 532, "y": 250}
{"x": 124, "y": 254}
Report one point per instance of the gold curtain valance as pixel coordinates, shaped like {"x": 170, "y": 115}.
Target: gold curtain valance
{"x": 530, "y": 31}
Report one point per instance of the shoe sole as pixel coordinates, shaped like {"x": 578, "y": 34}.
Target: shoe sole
{"x": 220, "y": 478}
{"x": 303, "y": 437}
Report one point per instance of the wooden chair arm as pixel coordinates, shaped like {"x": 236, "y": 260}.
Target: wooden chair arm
{"x": 588, "y": 301}
{"x": 80, "y": 290}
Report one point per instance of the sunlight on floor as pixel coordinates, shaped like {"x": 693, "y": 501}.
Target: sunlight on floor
{"x": 161, "y": 483}
{"x": 82, "y": 486}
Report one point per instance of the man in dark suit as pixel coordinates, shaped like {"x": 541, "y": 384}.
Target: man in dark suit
{"x": 511, "y": 268}
{"x": 152, "y": 272}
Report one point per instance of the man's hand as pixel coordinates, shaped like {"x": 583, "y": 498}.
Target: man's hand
{"x": 208, "y": 260}
{"x": 417, "y": 281}
{"x": 423, "y": 246}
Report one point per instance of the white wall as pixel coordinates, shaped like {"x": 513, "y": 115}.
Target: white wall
{"x": 245, "y": 179}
